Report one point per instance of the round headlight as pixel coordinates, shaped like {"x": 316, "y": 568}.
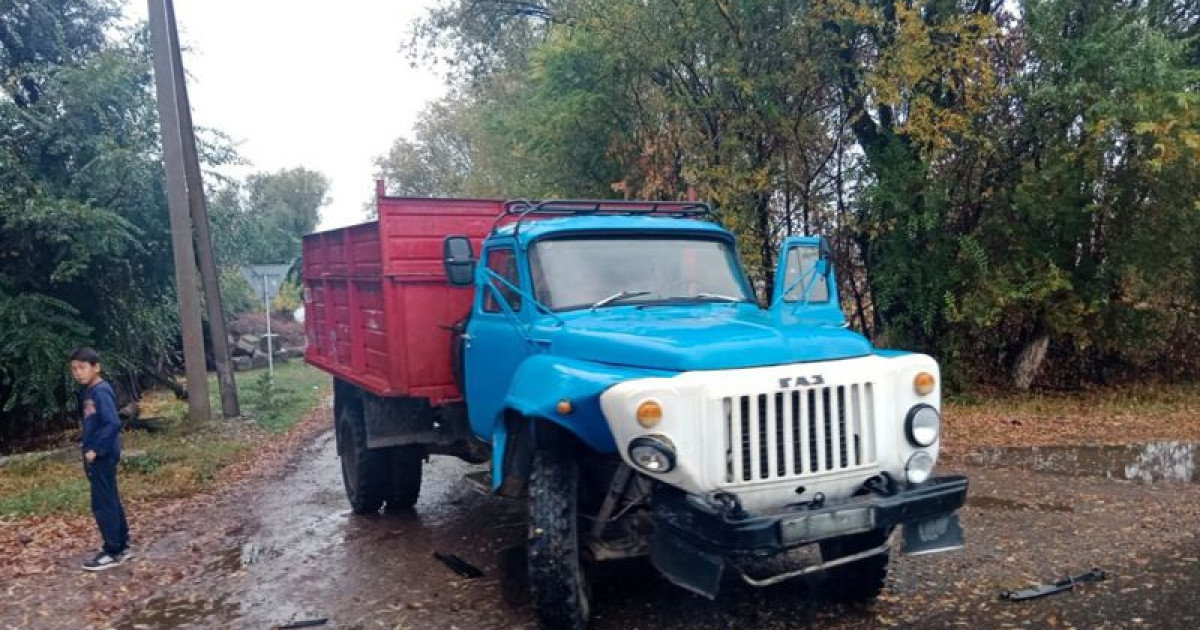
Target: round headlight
{"x": 649, "y": 414}
{"x": 652, "y": 453}
{"x": 919, "y": 467}
{"x": 923, "y": 425}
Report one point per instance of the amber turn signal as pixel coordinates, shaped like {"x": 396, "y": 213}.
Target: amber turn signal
{"x": 564, "y": 407}
{"x": 649, "y": 414}
{"x": 924, "y": 383}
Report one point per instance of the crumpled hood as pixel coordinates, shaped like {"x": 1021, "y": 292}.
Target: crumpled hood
{"x": 700, "y": 338}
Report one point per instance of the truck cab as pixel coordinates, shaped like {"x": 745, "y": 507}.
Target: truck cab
{"x": 620, "y": 374}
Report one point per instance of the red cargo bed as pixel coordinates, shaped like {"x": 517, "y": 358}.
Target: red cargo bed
{"x": 377, "y": 304}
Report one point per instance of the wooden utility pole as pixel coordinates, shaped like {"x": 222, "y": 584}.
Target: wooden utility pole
{"x": 209, "y": 277}
{"x": 181, "y": 224}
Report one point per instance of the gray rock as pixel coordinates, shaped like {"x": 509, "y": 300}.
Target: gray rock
{"x": 243, "y": 348}
{"x": 276, "y": 343}
{"x": 242, "y": 363}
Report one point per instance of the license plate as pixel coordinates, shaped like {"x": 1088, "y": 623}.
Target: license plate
{"x": 825, "y": 524}
{"x": 941, "y": 533}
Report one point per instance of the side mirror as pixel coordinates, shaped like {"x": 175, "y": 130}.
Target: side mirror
{"x": 459, "y": 259}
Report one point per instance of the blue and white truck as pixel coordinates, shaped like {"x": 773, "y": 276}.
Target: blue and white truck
{"x": 620, "y": 375}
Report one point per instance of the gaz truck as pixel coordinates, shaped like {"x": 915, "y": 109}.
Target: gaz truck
{"x": 610, "y": 362}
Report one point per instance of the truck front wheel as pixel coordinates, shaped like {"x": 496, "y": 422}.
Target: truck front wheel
{"x": 364, "y": 470}
{"x": 560, "y": 592}
{"x": 860, "y": 581}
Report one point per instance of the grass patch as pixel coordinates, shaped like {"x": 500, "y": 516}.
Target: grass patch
{"x": 182, "y": 459}
{"x": 277, "y": 403}
{"x": 64, "y": 496}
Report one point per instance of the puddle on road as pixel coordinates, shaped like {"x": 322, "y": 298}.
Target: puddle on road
{"x": 1000, "y": 503}
{"x": 1148, "y": 463}
{"x": 241, "y": 556}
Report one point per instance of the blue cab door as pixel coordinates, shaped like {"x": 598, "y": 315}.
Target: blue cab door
{"x": 496, "y": 342}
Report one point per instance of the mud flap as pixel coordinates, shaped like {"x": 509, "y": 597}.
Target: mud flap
{"x": 685, "y": 565}
{"x": 933, "y": 535}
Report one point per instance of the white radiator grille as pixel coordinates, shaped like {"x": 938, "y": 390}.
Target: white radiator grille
{"x": 800, "y": 432}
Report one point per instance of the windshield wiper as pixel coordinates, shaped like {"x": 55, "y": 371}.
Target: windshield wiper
{"x": 719, "y": 296}
{"x": 616, "y": 297}
{"x": 703, "y": 297}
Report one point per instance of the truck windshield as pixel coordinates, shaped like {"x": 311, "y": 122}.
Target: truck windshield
{"x": 574, "y": 273}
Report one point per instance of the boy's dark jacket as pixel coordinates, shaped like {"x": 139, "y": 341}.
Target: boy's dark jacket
{"x": 101, "y": 424}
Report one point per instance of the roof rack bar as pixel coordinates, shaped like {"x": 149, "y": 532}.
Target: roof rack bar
{"x": 522, "y": 208}
{"x": 614, "y": 206}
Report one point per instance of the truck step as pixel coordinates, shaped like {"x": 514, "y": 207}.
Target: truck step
{"x": 480, "y": 481}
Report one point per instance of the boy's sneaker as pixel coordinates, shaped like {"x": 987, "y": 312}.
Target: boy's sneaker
{"x": 103, "y": 561}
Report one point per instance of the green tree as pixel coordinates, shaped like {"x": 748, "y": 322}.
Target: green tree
{"x": 1002, "y": 183}
{"x": 84, "y": 241}
{"x": 650, "y": 100}
{"x": 1090, "y": 242}
{"x": 283, "y": 206}
{"x": 439, "y": 159}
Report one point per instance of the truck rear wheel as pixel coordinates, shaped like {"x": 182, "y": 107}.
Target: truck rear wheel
{"x": 560, "y": 592}
{"x": 860, "y": 581}
{"x": 405, "y": 484}
{"x": 364, "y": 470}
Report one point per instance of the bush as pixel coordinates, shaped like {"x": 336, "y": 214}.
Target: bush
{"x": 238, "y": 296}
{"x": 289, "y": 298}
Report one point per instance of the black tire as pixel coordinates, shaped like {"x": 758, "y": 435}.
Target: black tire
{"x": 860, "y": 581}
{"x": 406, "y": 463}
{"x": 364, "y": 470}
{"x": 560, "y": 592}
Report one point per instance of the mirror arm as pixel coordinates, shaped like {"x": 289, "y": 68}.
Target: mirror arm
{"x": 492, "y": 275}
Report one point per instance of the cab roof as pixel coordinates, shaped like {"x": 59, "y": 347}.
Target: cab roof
{"x": 532, "y": 230}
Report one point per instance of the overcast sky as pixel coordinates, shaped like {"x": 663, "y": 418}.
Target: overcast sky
{"x": 324, "y": 85}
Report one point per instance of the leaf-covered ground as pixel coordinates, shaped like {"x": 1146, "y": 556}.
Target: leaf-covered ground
{"x": 1102, "y": 416}
{"x": 310, "y": 558}
{"x": 43, "y": 585}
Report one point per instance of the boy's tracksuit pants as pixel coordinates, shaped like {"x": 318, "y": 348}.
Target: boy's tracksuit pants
{"x": 106, "y": 504}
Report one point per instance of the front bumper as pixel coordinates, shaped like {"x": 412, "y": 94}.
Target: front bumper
{"x": 691, "y": 545}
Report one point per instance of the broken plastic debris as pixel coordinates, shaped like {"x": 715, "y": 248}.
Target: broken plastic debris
{"x": 458, "y": 565}
{"x": 1065, "y": 584}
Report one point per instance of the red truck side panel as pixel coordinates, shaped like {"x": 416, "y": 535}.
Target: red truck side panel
{"x": 377, "y": 304}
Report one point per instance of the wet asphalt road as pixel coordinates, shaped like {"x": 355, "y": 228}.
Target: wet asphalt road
{"x": 297, "y": 553}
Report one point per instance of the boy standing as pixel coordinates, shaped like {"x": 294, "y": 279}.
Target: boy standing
{"x": 101, "y": 447}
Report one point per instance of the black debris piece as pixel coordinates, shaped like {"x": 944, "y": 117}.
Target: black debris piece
{"x": 307, "y": 623}
{"x": 458, "y": 565}
{"x": 1063, "y": 585}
